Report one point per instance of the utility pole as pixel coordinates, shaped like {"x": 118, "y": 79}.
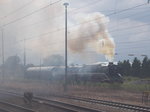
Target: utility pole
{"x": 65, "y": 83}
{"x": 24, "y": 57}
{"x": 40, "y": 65}
{"x": 3, "y": 56}
{"x": 24, "y": 53}
{"x": 3, "y": 47}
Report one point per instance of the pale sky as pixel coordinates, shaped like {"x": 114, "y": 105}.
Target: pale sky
{"x": 22, "y": 19}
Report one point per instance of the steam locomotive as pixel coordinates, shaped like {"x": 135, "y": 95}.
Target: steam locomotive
{"x": 76, "y": 74}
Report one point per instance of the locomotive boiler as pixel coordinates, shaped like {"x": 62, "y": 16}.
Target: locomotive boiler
{"x": 76, "y": 74}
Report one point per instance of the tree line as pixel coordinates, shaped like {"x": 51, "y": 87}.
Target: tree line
{"x": 136, "y": 68}
{"x": 13, "y": 65}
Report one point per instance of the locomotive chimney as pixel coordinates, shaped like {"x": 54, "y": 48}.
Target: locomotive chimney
{"x": 110, "y": 63}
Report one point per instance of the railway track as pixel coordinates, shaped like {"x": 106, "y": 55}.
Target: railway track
{"x": 56, "y": 104}
{"x": 4, "y": 110}
{"x": 13, "y": 107}
{"x": 107, "y": 103}
{"x": 75, "y": 108}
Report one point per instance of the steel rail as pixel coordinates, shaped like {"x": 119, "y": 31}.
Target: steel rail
{"x": 76, "y": 107}
{"x": 16, "y": 106}
{"x": 102, "y": 102}
{"x": 4, "y": 110}
{"x": 56, "y": 104}
{"x": 108, "y": 103}
{"x": 41, "y": 102}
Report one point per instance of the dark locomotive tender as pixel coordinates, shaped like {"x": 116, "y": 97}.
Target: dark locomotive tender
{"x": 77, "y": 74}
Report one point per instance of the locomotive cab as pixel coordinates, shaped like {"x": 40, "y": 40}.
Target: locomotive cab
{"x": 114, "y": 75}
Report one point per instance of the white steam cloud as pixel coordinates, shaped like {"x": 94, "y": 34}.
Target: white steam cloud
{"x": 93, "y": 31}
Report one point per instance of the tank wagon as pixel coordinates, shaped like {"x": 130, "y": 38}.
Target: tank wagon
{"x": 76, "y": 74}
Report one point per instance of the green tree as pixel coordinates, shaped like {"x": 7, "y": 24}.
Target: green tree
{"x": 120, "y": 67}
{"x": 12, "y": 66}
{"x": 127, "y": 68}
{"x": 148, "y": 75}
{"x": 145, "y": 69}
{"x": 12, "y": 62}
{"x": 136, "y": 68}
{"x": 124, "y": 67}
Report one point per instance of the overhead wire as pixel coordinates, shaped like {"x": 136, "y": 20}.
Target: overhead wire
{"x": 125, "y": 22}
{"x": 18, "y": 9}
{"x": 89, "y": 4}
{"x": 41, "y": 35}
{"x": 126, "y": 28}
{"x": 121, "y": 42}
{"x": 132, "y": 27}
{"x": 47, "y": 33}
{"x": 122, "y": 23}
{"x": 61, "y": 0}
{"x": 18, "y": 19}
{"x": 38, "y": 11}
{"x": 56, "y": 17}
{"x": 39, "y": 22}
{"x": 109, "y": 14}
{"x": 114, "y": 13}
{"x": 125, "y": 9}
{"x": 54, "y": 43}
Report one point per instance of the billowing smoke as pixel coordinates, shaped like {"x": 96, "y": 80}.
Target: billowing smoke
{"x": 93, "y": 31}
